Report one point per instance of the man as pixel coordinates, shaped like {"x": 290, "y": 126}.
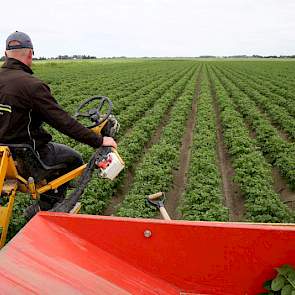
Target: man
{"x": 25, "y": 103}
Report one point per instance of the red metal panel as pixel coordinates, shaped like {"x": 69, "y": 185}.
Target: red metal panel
{"x": 80, "y": 254}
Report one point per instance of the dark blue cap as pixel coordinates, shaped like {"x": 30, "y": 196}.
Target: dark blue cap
{"x": 23, "y": 39}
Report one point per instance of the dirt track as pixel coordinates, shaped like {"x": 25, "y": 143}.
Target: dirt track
{"x": 232, "y": 195}
{"x": 281, "y": 187}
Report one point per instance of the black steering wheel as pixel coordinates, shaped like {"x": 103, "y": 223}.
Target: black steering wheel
{"x": 93, "y": 114}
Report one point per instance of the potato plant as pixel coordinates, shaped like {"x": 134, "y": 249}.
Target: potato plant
{"x": 253, "y": 173}
{"x": 203, "y": 199}
{"x": 279, "y": 152}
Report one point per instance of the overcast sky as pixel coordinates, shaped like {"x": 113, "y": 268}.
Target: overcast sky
{"x": 152, "y": 27}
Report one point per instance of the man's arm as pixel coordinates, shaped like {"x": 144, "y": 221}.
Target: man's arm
{"x": 53, "y": 114}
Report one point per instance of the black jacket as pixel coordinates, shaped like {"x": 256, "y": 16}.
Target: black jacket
{"x": 26, "y": 102}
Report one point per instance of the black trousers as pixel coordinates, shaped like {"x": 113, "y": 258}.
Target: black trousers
{"x": 53, "y": 154}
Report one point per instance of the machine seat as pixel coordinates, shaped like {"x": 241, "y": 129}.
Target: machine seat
{"x": 28, "y": 162}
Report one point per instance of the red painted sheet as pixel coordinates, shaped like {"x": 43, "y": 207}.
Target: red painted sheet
{"x": 81, "y": 254}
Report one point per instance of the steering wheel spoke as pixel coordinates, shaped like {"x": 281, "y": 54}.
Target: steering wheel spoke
{"x": 84, "y": 115}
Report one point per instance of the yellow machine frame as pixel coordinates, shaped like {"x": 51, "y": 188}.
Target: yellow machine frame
{"x": 11, "y": 182}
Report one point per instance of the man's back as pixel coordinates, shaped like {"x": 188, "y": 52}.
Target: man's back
{"x": 27, "y": 103}
{"x": 18, "y": 122}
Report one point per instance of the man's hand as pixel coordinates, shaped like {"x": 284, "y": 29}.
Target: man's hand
{"x": 109, "y": 141}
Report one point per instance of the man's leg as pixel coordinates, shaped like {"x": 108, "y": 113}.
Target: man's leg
{"x": 53, "y": 154}
{"x": 56, "y": 153}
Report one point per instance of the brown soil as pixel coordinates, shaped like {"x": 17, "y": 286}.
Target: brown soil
{"x": 128, "y": 131}
{"x": 233, "y": 198}
{"x": 281, "y": 187}
{"x": 179, "y": 176}
{"x": 121, "y": 192}
{"x": 283, "y": 134}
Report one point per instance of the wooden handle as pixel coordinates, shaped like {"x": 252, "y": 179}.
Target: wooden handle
{"x": 155, "y": 196}
{"x": 164, "y": 213}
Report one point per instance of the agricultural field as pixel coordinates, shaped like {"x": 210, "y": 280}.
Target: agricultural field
{"x": 217, "y": 136}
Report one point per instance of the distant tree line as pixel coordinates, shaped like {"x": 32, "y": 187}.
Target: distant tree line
{"x": 77, "y": 56}
{"x": 65, "y": 57}
{"x": 248, "y": 56}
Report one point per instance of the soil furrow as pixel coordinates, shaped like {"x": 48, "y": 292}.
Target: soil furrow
{"x": 281, "y": 132}
{"x": 180, "y": 175}
{"x": 233, "y": 198}
{"x": 280, "y": 185}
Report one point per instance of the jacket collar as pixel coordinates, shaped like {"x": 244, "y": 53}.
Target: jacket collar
{"x": 12, "y": 63}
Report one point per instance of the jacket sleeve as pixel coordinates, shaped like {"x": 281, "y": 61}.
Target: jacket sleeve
{"x": 53, "y": 114}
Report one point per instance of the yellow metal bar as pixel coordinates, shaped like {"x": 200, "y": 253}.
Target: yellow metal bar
{"x": 21, "y": 179}
{"x": 8, "y": 172}
{"x": 3, "y": 166}
{"x": 97, "y": 129}
{"x": 11, "y": 171}
{"x": 32, "y": 188}
{"x": 6, "y": 215}
{"x": 3, "y": 148}
{"x": 61, "y": 180}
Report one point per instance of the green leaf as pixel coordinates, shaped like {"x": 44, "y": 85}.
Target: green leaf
{"x": 288, "y": 272}
{"x": 285, "y": 269}
{"x": 291, "y": 278}
{"x": 287, "y": 290}
{"x": 278, "y": 283}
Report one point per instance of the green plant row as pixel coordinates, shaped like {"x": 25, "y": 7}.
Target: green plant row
{"x": 144, "y": 102}
{"x": 128, "y": 99}
{"x": 279, "y": 73}
{"x": 132, "y": 113}
{"x": 252, "y": 172}
{"x": 71, "y": 88}
{"x": 76, "y": 81}
{"x": 277, "y": 151}
{"x": 277, "y": 114}
{"x": 131, "y": 147}
{"x": 122, "y": 86}
{"x": 155, "y": 171}
{"x": 203, "y": 197}
{"x": 267, "y": 89}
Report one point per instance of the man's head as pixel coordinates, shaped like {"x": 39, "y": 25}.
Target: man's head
{"x": 19, "y": 46}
